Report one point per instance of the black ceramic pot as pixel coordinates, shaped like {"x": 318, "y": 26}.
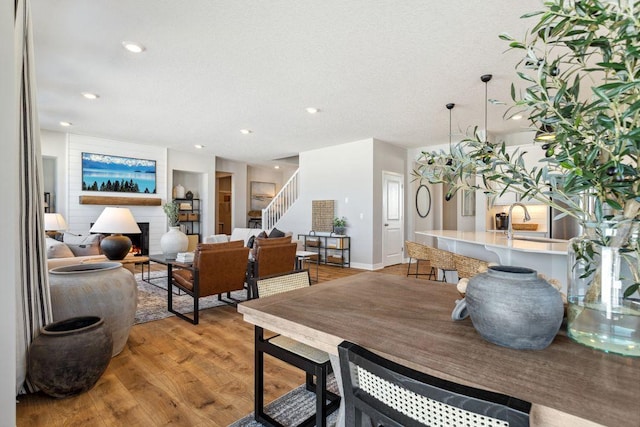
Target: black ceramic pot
{"x": 69, "y": 356}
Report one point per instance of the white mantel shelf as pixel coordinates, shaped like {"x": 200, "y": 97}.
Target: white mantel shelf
{"x": 549, "y": 259}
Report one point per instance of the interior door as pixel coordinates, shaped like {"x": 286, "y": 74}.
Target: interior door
{"x": 392, "y": 218}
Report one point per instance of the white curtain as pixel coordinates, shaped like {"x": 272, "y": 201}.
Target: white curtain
{"x": 33, "y": 305}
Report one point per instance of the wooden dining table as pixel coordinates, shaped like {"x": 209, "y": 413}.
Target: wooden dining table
{"x": 409, "y": 321}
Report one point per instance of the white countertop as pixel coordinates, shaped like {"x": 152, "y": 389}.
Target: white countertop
{"x": 498, "y": 240}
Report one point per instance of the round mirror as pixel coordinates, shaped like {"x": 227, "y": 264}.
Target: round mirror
{"x": 423, "y": 201}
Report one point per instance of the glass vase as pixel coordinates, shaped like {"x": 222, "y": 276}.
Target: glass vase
{"x": 603, "y": 296}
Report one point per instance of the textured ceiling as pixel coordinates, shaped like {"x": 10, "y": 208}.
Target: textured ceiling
{"x": 381, "y": 69}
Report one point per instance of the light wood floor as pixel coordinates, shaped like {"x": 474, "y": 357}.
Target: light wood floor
{"x": 172, "y": 372}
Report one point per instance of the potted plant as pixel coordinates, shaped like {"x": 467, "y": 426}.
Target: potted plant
{"x": 339, "y": 225}
{"x": 174, "y": 240}
{"x": 581, "y": 69}
{"x": 172, "y": 210}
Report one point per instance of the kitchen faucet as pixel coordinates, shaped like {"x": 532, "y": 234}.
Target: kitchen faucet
{"x": 527, "y": 217}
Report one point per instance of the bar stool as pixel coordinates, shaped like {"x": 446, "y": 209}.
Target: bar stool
{"x": 442, "y": 260}
{"x": 468, "y": 267}
{"x": 419, "y": 253}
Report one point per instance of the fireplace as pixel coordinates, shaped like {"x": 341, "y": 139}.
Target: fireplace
{"x": 139, "y": 242}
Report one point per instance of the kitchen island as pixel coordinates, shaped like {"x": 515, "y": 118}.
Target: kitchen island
{"x": 546, "y": 256}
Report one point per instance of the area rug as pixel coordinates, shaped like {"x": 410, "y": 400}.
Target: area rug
{"x": 293, "y": 407}
{"x": 152, "y": 299}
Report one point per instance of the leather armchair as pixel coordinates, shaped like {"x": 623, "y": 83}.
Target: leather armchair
{"x": 217, "y": 268}
{"x": 275, "y": 259}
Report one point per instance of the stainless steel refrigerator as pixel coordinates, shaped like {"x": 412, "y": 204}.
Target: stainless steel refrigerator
{"x": 564, "y": 228}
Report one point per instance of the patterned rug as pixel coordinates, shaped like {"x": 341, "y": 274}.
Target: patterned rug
{"x": 152, "y": 299}
{"x": 293, "y": 407}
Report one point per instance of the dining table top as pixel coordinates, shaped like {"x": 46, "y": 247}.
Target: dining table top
{"x": 409, "y": 321}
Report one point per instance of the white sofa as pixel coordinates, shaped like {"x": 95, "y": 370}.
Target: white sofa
{"x": 243, "y": 234}
{"x": 76, "y": 250}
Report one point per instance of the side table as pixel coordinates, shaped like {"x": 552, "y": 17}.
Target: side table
{"x": 302, "y": 256}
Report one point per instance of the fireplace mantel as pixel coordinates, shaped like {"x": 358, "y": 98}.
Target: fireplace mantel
{"x": 120, "y": 201}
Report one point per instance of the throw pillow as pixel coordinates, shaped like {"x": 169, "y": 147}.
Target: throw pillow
{"x": 56, "y": 249}
{"x": 276, "y": 233}
{"x": 250, "y": 242}
{"x": 83, "y": 245}
{"x": 262, "y": 235}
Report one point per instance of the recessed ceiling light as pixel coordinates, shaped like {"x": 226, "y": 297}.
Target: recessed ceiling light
{"x": 516, "y": 117}
{"x": 312, "y": 110}
{"x": 133, "y": 47}
{"x": 199, "y": 146}
{"x": 245, "y": 131}
{"x": 276, "y": 167}
{"x": 65, "y": 124}
{"x": 90, "y": 95}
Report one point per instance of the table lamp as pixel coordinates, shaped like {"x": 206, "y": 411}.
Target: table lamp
{"x": 54, "y": 222}
{"x": 115, "y": 221}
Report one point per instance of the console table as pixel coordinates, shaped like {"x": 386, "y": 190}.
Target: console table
{"x": 331, "y": 249}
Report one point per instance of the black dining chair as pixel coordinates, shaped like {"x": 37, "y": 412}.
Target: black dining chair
{"x": 394, "y": 395}
{"x": 315, "y": 363}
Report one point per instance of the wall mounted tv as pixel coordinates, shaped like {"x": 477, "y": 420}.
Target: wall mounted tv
{"x": 102, "y": 172}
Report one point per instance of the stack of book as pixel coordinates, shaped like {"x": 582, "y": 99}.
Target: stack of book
{"x": 185, "y": 257}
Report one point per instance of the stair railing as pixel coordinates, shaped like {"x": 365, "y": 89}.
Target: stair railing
{"x": 281, "y": 203}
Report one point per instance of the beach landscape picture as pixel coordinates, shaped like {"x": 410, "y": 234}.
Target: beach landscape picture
{"x": 101, "y": 172}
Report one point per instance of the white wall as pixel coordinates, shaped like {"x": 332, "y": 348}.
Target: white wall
{"x": 67, "y": 150}
{"x": 79, "y": 217}
{"x": 239, "y": 197}
{"x": 343, "y": 173}
{"x": 8, "y": 229}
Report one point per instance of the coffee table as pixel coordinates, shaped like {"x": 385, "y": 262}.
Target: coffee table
{"x": 128, "y": 262}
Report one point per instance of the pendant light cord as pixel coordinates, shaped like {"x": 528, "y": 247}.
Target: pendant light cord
{"x": 486, "y": 78}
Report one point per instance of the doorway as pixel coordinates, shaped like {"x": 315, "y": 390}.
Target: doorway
{"x": 392, "y": 218}
{"x": 223, "y": 202}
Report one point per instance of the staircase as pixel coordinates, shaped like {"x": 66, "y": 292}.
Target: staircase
{"x": 282, "y": 201}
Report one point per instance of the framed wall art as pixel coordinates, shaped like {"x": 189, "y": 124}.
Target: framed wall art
{"x": 261, "y": 194}
{"x": 103, "y": 172}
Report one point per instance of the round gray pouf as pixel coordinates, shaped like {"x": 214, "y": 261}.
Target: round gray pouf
{"x": 103, "y": 289}
{"x": 513, "y": 307}
{"x": 68, "y": 357}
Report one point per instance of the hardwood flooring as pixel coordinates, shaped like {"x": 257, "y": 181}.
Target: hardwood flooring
{"x": 172, "y": 372}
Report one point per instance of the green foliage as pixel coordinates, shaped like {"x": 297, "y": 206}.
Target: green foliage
{"x": 581, "y": 74}
{"x": 172, "y": 210}
{"x": 340, "y": 222}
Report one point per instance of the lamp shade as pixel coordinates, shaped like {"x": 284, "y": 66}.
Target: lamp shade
{"x": 116, "y": 220}
{"x": 54, "y": 222}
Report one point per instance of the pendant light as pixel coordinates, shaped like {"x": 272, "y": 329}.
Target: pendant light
{"x": 450, "y": 107}
{"x": 485, "y": 79}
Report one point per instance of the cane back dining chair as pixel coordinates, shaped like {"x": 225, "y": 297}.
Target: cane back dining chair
{"x": 419, "y": 253}
{"x": 391, "y": 394}
{"x": 313, "y": 362}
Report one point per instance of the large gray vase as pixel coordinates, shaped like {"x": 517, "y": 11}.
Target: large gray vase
{"x": 513, "y": 307}
{"x": 103, "y": 289}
